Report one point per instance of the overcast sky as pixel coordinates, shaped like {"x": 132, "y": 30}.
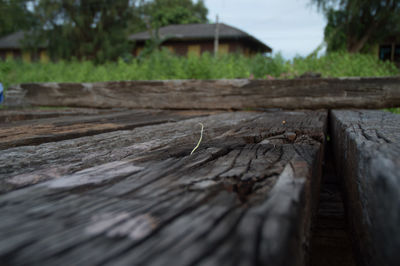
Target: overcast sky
{"x": 289, "y": 26}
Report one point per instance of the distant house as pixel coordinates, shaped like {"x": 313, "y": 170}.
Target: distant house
{"x": 199, "y": 38}
{"x": 11, "y": 46}
{"x": 180, "y": 39}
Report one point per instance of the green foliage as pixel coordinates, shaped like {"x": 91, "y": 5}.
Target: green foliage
{"x": 393, "y": 110}
{"x": 159, "y": 13}
{"x": 342, "y": 64}
{"x": 163, "y": 65}
{"x": 334, "y": 33}
{"x": 272, "y": 66}
{"x": 90, "y": 29}
{"x": 167, "y": 12}
{"x": 95, "y": 30}
{"x": 14, "y": 16}
{"x": 356, "y": 25}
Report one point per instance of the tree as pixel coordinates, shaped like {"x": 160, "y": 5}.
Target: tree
{"x": 85, "y": 29}
{"x": 159, "y": 13}
{"x": 14, "y": 16}
{"x": 355, "y": 25}
{"x": 98, "y": 30}
{"x": 166, "y": 12}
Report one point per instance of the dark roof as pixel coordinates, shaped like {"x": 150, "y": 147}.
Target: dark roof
{"x": 199, "y": 31}
{"x": 14, "y": 41}
{"x": 181, "y": 32}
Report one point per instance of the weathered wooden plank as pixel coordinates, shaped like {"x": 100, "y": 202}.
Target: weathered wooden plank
{"x": 13, "y": 115}
{"x": 214, "y": 94}
{"x": 30, "y": 164}
{"x": 37, "y": 131}
{"x": 367, "y": 151}
{"x": 136, "y": 197}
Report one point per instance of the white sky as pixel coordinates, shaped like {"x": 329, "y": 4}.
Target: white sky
{"x": 289, "y": 26}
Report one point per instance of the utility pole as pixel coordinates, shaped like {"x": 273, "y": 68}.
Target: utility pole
{"x": 216, "y": 38}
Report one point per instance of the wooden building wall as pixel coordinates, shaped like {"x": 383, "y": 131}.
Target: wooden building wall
{"x": 18, "y": 54}
{"x": 184, "y": 48}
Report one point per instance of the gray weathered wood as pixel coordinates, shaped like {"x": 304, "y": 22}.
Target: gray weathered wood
{"x": 367, "y": 152}
{"x": 37, "y": 131}
{"x": 217, "y": 94}
{"x": 22, "y": 165}
{"x": 13, "y": 115}
{"x": 136, "y": 197}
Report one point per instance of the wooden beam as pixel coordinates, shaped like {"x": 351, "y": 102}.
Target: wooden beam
{"x": 217, "y": 94}
{"x": 367, "y": 152}
{"x": 11, "y": 116}
{"x": 246, "y": 196}
{"x": 38, "y": 131}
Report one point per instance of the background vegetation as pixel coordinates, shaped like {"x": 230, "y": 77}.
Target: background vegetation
{"x": 95, "y": 30}
{"x": 163, "y": 65}
{"x": 359, "y": 25}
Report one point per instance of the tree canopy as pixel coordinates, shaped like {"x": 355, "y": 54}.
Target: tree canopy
{"x": 14, "y": 16}
{"x": 356, "y": 25}
{"x": 91, "y": 29}
{"x": 167, "y": 12}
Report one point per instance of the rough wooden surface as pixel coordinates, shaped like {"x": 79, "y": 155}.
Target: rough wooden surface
{"x": 14, "y": 115}
{"x": 367, "y": 152}
{"x": 136, "y": 197}
{"x": 219, "y": 94}
{"x": 37, "y": 131}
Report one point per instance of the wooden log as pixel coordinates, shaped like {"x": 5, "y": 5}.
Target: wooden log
{"x": 137, "y": 197}
{"x": 37, "y": 131}
{"x": 214, "y": 94}
{"x": 367, "y": 151}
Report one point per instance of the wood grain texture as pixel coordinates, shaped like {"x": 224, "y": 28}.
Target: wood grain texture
{"x": 367, "y": 152}
{"x": 136, "y": 197}
{"x": 214, "y": 94}
{"x": 37, "y": 131}
{"x": 13, "y": 115}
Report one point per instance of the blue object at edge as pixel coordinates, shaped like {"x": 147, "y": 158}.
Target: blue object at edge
{"x": 1, "y": 93}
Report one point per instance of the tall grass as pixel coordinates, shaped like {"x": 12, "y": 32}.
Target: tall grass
{"x": 346, "y": 65}
{"x": 163, "y": 65}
